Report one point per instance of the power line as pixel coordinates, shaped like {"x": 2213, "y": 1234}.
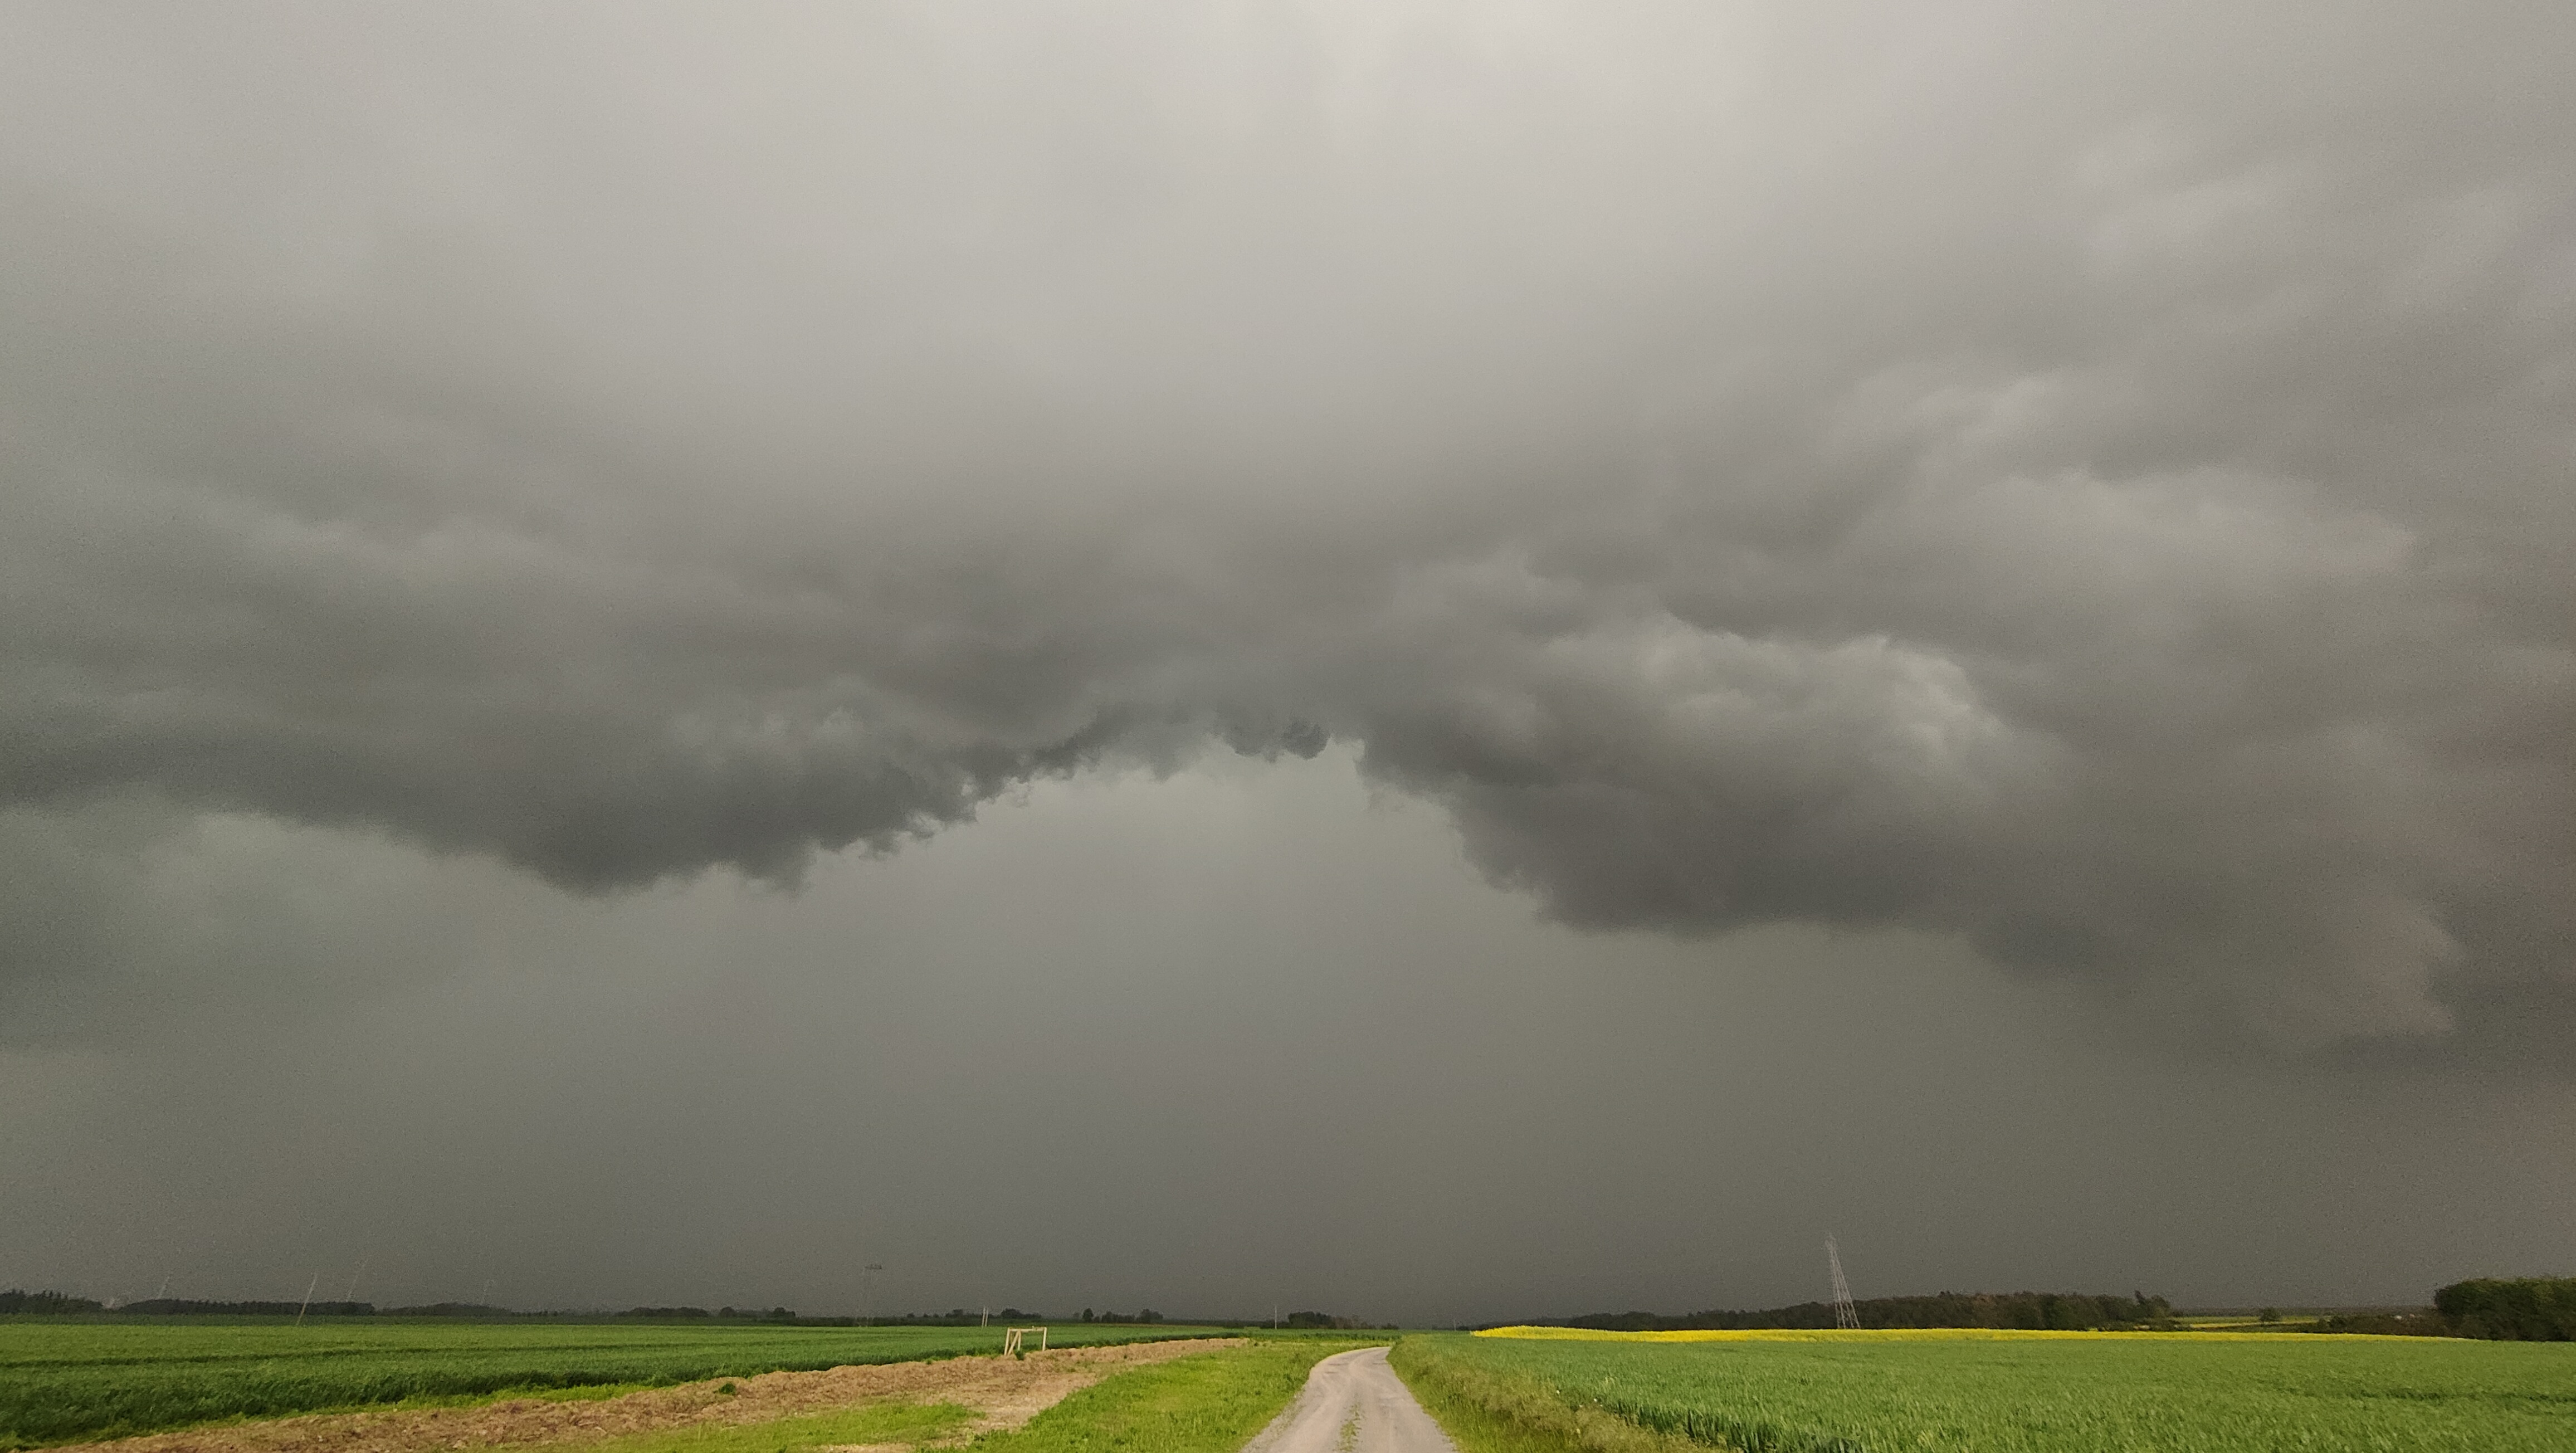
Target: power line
{"x": 1846, "y": 1316}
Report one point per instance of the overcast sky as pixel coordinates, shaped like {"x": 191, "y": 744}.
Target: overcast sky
{"x": 1437, "y": 661}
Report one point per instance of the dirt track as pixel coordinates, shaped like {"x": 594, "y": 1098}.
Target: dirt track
{"x": 1353, "y": 1403}
{"x": 1004, "y": 1392}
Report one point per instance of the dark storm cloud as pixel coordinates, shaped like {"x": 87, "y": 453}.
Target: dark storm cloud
{"x": 2093, "y": 484}
{"x": 1244, "y": 1034}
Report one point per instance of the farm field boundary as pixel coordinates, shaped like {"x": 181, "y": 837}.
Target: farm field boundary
{"x": 1488, "y": 1411}
{"x": 1974, "y": 1389}
{"x": 1213, "y": 1404}
{"x": 989, "y": 1393}
{"x": 62, "y": 1382}
{"x": 1911, "y": 1334}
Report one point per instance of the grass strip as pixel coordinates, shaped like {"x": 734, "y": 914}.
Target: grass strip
{"x": 888, "y": 1422}
{"x": 1213, "y": 1402}
{"x": 584, "y": 1392}
{"x": 1486, "y": 1411}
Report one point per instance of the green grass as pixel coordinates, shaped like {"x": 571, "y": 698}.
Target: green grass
{"x": 1212, "y": 1403}
{"x": 2142, "y": 1392}
{"x": 70, "y": 1380}
{"x": 891, "y": 1422}
{"x": 586, "y": 1392}
{"x": 1488, "y": 1410}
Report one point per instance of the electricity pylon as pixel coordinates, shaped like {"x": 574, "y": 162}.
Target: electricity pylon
{"x": 1846, "y": 1316}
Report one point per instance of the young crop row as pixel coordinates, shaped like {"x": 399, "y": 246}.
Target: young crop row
{"x": 2017, "y": 1394}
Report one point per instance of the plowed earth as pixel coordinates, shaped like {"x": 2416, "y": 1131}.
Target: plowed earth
{"x": 1004, "y": 1392}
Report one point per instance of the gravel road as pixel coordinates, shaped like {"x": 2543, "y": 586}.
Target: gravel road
{"x": 1353, "y": 1403}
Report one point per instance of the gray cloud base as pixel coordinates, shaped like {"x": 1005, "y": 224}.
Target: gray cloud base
{"x": 2091, "y": 483}
{"x": 1245, "y": 1034}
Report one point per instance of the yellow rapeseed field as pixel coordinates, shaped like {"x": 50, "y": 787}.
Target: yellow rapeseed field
{"x": 1908, "y": 1334}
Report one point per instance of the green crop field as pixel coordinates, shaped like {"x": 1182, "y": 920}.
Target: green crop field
{"x": 2008, "y": 1393}
{"x": 64, "y": 1381}
{"x": 1205, "y": 1404}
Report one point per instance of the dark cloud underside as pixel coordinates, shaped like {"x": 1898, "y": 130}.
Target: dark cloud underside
{"x": 2089, "y": 481}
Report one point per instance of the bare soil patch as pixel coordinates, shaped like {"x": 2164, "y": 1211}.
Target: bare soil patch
{"x": 1004, "y": 1392}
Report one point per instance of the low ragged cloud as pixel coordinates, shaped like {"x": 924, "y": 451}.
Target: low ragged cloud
{"x": 2083, "y": 483}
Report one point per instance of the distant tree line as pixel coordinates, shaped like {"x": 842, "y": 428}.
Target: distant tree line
{"x": 462, "y": 1309}
{"x": 2522, "y": 1309}
{"x": 16, "y": 1301}
{"x": 953, "y": 1317}
{"x": 2423, "y": 1323}
{"x": 60, "y": 1304}
{"x": 2515, "y": 1309}
{"x": 179, "y": 1307}
{"x": 2036, "y": 1311}
{"x": 730, "y": 1314}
